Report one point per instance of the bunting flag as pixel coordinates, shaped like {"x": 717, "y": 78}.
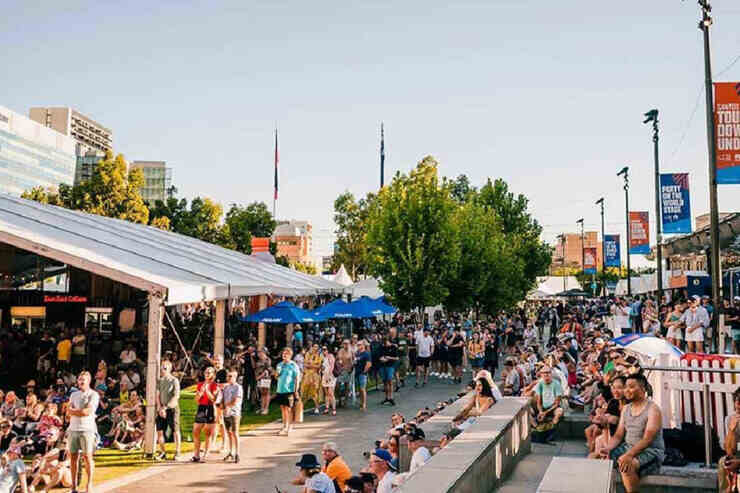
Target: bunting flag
{"x": 276, "y": 164}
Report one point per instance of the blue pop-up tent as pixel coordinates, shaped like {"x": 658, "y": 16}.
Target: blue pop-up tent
{"x": 385, "y": 307}
{"x": 284, "y": 312}
{"x": 335, "y": 309}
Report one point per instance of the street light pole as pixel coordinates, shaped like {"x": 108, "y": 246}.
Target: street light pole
{"x": 561, "y": 237}
{"x": 583, "y": 246}
{"x": 625, "y": 173}
{"x": 652, "y": 116}
{"x": 603, "y": 241}
{"x": 704, "y": 24}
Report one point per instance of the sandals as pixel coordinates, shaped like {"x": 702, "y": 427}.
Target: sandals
{"x": 333, "y": 412}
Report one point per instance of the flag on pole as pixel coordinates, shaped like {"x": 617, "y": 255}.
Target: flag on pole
{"x": 382, "y": 156}
{"x": 276, "y": 164}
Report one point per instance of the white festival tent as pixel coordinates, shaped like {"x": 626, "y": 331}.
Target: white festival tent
{"x": 342, "y": 277}
{"x": 551, "y": 285}
{"x": 173, "y": 269}
{"x": 366, "y": 287}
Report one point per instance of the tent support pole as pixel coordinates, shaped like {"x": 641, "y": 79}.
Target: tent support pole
{"x": 261, "y": 330}
{"x": 219, "y": 328}
{"x": 154, "y": 349}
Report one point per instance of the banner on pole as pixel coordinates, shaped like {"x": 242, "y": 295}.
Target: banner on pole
{"x": 589, "y": 260}
{"x": 675, "y": 205}
{"x": 611, "y": 251}
{"x": 639, "y": 233}
{"x": 727, "y": 131}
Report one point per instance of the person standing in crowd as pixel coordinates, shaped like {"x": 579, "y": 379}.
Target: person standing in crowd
{"x": 622, "y": 319}
{"x": 311, "y": 384}
{"x": 388, "y": 358}
{"x": 696, "y": 321}
{"x": 424, "y": 351}
{"x": 456, "y": 347}
{"x": 263, "y": 374}
{"x": 476, "y": 352}
{"x": 363, "y": 363}
{"x": 334, "y": 466}
{"x": 288, "y": 376}
{"x": 329, "y": 381}
{"x": 168, "y": 409}
{"x": 79, "y": 346}
{"x": 732, "y": 317}
{"x": 218, "y": 406}
{"x": 82, "y": 431}
{"x": 673, "y": 324}
{"x": 205, "y": 417}
{"x": 233, "y": 395}
{"x": 64, "y": 352}
{"x": 637, "y": 446}
{"x": 343, "y": 363}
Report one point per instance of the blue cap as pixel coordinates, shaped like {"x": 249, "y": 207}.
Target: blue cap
{"x": 384, "y": 455}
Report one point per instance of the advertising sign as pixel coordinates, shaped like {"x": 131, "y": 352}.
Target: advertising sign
{"x": 639, "y": 233}
{"x": 611, "y": 251}
{"x": 727, "y": 131}
{"x": 589, "y": 260}
{"x": 675, "y": 205}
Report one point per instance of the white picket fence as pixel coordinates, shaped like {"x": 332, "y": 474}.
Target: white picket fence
{"x": 680, "y": 393}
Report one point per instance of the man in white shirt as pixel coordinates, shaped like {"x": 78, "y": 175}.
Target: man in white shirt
{"x": 381, "y": 465}
{"x": 82, "y": 431}
{"x": 696, "y": 320}
{"x": 424, "y": 350}
{"x": 420, "y": 454}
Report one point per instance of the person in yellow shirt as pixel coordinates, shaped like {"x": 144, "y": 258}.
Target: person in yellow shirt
{"x": 334, "y": 465}
{"x": 64, "y": 351}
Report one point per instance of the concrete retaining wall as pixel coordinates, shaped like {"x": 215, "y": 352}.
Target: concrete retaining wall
{"x": 481, "y": 457}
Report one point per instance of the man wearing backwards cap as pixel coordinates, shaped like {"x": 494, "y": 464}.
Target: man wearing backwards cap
{"x": 14, "y": 472}
{"x": 381, "y": 466}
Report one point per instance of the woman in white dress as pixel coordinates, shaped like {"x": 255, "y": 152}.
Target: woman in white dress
{"x": 329, "y": 381}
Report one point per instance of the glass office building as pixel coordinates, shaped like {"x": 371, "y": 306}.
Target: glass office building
{"x": 157, "y": 180}
{"x": 33, "y": 155}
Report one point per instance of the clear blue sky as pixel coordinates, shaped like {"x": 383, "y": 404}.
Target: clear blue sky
{"x": 547, "y": 95}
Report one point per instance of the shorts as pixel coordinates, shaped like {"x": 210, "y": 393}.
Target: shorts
{"x": 387, "y": 373}
{"x": 171, "y": 420}
{"x": 264, "y": 383}
{"x": 674, "y": 333}
{"x": 422, "y": 361}
{"x": 476, "y": 362}
{"x": 205, "y": 414}
{"x": 455, "y": 359}
{"x": 361, "y": 381}
{"x": 285, "y": 399}
{"x": 82, "y": 442}
{"x": 735, "y": 334}
{"x": 650, "y": 459}
{"x": 696, "y": 336}
{"x": 232, "y": 423}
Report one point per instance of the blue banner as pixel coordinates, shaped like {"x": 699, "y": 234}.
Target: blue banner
{"x": 611, "y": 251}
{"x": 676, "y": 208}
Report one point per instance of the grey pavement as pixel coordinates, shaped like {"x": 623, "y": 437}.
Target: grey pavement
{"x": 529, "y": 472}
{"x": 268, "y": 460}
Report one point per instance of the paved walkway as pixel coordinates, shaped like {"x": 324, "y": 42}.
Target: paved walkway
{"x": 529, "y": 471}
{"x": 268, "y": 460}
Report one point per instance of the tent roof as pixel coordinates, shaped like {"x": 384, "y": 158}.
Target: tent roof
{"x": 556, "y": 284}
{"x": 342, "y": 277}
{"x": 366, "y": 287}
{"x": 182, "y": 269}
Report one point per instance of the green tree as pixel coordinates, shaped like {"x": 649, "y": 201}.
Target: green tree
{"x": 351, "y": 217}
{"x": 411, "y": 238}
{"x": 244, "y": 223}
{"x": 112, "y": 191}
{"x": 461, "y": 189}
{"x": 304, "y": 267}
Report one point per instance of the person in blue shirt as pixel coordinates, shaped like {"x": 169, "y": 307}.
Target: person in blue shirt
{"x": 288, "y": 375}
{"x": 297, "y": 338}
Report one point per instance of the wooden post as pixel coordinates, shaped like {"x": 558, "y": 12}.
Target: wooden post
{"x": 261, "y": 330}
{"x": 219, "y": 326}
{"x": 154, "y": 349}
{"x": 289, "y": 335}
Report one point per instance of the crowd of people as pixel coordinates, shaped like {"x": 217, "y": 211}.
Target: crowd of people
{"x": 557, "y": 354}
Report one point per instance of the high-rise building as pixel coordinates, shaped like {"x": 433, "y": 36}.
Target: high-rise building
{"x": 86, "y": 165}
{"x": 294, "y": 241}
{"x": 32, "y": 155}
{"x": 157, "y": 179}
{"x": 89, "y": 134}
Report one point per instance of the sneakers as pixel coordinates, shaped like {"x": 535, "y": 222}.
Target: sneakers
{"x": 236, "y": 459}
{"x": 195, "y": 458}
{"x": 283, "y": 432}
{"x": 228, "y": 457}
{"x": 160, "y": 455}
{"x": 391, "y": 402}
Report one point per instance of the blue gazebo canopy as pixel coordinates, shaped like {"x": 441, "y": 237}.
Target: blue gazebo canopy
{"x": 334, "y": 309}
{"x": 284, "y": 312}
{"x": 385, "y": 307}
